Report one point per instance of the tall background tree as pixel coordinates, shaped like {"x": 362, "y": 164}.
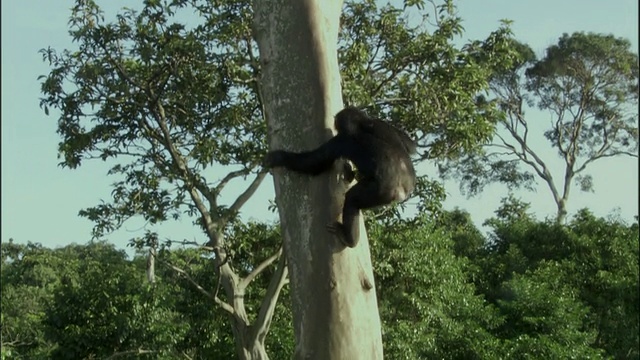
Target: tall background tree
{"x": 589, "y": 84}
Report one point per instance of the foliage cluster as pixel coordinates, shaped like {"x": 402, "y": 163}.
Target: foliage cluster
{"x": 531, "y": 289}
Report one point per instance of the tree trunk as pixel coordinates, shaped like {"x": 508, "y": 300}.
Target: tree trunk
{"x": 561, "y": 214}
{"x": 335, "y": 311}
{"x": 562, "y": 203}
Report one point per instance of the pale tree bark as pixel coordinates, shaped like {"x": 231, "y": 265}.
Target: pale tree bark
{"x": 335, "y": 312}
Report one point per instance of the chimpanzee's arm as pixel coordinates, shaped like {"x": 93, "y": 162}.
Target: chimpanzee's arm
{"x": 310, "y": 162}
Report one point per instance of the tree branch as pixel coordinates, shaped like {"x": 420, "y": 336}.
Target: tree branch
{"x": 542, "y": 170}
{"x": 230, "y": 176}
{"x": 268, "y": 304}
{"x": 612, "y": 154}
{"x": 242, "y": 199}
{"x": 259, "y": 269}
{"x": 118, "y": 67}
{"x": 139, "y": 351}
{"x": 214, "y": 297}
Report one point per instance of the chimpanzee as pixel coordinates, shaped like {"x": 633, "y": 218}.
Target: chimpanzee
{"x": 380, "y": 153}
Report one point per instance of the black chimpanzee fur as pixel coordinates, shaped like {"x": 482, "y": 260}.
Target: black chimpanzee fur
{"x": 380, "y": 153}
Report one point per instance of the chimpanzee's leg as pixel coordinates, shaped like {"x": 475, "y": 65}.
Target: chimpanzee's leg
{"x": 363, "y": 195}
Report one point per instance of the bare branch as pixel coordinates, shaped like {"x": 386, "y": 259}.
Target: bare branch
{"x": 205, "y": 191}
{"x": 542, "y": 170}
{"x": 268, "y": 304}
{"x": 242, "y": 199}
{"x": 214, "y": 296}
{"x": 193, "y": 243}
{"x": 594, "y": 158}
{"x": 259, "y": 269}
{"x": 435, "y": 12}
{"x": 139, "y": 351}
{"x": 230, "y": 176}
{"x": 392, "y": 101}
{"x": 538, "y": 166}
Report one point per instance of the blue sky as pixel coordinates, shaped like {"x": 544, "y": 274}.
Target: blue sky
{"x": 40, "y": 201}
